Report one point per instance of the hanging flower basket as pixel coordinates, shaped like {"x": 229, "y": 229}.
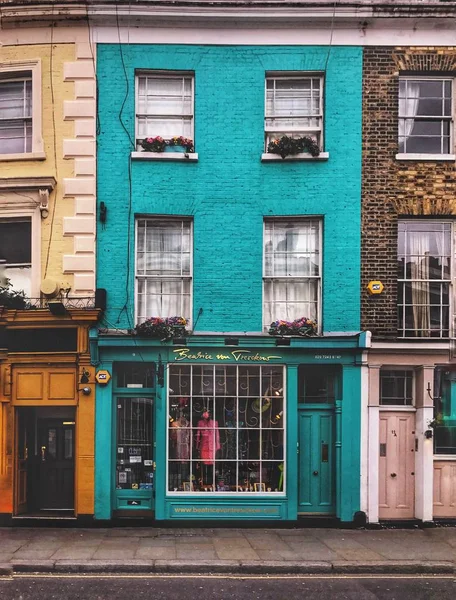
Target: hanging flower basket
{"x": 162, "y": 328}
{"x": 302, "y": 327}
{"x": 288, "y": 146}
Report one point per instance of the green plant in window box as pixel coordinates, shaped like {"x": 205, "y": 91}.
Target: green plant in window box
{"x": 159, "y": 144}
{"x": 162, "y": 328}
{"x": 153, "y": 144}
{"x": 10, "y": 298}
{"x": 302, "y": 327}
{"x": 289, "y": 146}
{"x": 183, "y": 142}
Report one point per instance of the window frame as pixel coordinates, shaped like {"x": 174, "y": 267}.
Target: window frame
{"x": 403, "y": 154}
{"x": 272, "y": 132}
{"x": 231, "y": 493}
{"x": 165, "y": 74}
{"x": 298, "y": 279}
{"x": 397, "y": 369}
{"x": 402, "y": 281}
{"x": 189, "y": 278}
{"x": 19, "y": 70}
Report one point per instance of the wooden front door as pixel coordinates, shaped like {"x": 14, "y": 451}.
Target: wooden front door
{"x": 397, "y": 465}
{"x": 56, "y": 464}
{"x": 316, "y": 461}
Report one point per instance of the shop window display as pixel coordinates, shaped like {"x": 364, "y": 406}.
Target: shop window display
{"x": 226, "y": 429}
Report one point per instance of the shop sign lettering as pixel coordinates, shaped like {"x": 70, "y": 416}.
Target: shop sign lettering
{"x": 328, "y": 356}
{"x": 236, "y": 355}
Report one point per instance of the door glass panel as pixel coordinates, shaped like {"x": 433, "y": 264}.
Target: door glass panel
{"x": 52, "y": 443}
{"x": 317, "y": 385}
{"x": 134, "y": 464}
{"x": 68, "y": 444}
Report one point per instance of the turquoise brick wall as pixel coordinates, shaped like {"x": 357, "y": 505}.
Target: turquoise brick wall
{"x": 229, "y": 191}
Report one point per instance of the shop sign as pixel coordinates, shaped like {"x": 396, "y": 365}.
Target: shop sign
{"x": 208, "y": 510}
{"x": 328, "y": 356}
{"x": 233, "y": 355}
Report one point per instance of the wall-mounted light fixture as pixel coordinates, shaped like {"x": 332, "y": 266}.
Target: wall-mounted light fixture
{"x": 231, "y": 341}
{"x": 282, "y": 341}
{"x": 57, "y": 308}
{"x": 85, "y": 376}
{"x": 428, "y": 434}
{"x": 180, "y": 341}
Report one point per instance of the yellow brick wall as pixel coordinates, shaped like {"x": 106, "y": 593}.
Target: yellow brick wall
{"x": 54, "y": 130}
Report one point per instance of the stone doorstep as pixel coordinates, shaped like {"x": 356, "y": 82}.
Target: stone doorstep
{"x": 227, "y": 566}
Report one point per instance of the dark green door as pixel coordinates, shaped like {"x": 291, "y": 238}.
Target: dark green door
{"x": 316, "y": 461}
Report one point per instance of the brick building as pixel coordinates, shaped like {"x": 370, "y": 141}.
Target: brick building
{"x": 408, "y": 208}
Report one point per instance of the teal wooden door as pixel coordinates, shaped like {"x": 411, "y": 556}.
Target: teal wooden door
{"x": 316, "y": 461}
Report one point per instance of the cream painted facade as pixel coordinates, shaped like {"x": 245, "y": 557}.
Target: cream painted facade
{"x": 55, "y": 183}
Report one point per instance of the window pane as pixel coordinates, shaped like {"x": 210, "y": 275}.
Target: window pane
{"x": 419, "y": 99}
{"x": 163, "y": 267}
{"x": 317, "y": 385}
{"x": 396, "y": 387}
{"x": 224, "y": 432}
{"x": 16, "y": 241}
{"x": 164, "y": 106}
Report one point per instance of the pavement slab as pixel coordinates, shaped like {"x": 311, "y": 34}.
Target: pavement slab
{"x": 205, "y": 550}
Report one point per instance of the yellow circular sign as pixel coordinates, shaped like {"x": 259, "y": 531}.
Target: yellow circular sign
{"x": 102, "y": 377}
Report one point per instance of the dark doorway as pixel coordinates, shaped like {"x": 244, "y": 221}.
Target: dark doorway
{"x": 45, "y": 461}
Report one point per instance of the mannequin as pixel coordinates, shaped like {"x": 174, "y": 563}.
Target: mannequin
{"x": 208, "y": 443}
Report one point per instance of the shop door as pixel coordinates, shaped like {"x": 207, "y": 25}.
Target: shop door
{"x": 397, "y": 465}
{"x": 135, "y": 463}
{"x": 56, "y": 464}
{"x": 316, "y": 461}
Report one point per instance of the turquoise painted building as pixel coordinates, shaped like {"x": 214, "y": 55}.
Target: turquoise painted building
{"x": 229, "y": 195}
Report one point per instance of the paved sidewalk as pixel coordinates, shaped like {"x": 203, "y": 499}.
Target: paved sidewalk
{"x": 228, "y": 550}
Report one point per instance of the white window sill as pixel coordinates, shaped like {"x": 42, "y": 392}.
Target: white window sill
{"x": 296, "y": 157}
{"x": 189, "y": 156}
{"x": 23, "y": 156}
{"x": 423, "y": 157}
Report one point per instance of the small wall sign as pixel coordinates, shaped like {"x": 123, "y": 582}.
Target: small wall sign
{"x": 103, "y": 377}
{"x": 375, "y": 287}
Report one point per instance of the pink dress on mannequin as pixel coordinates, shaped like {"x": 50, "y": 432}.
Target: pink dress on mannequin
{"x": 208, "y": 440}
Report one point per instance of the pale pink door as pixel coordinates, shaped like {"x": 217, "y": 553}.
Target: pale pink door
{"x": 397, "y": 465}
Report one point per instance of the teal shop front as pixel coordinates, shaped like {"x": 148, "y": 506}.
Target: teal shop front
{"x": 228, "y": 428}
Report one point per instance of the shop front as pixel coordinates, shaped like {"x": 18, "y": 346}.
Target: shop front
{"x": 46, "y": 416}
{"x": 227, "y": 428}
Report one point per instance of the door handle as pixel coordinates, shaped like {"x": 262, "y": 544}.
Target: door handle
{"x": 393, "y": 474}
{"x": 315, "y": 473}
{"x": 43, "y": 453}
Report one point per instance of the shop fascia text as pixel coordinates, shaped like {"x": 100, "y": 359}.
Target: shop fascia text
{"x": 236, "y": 355}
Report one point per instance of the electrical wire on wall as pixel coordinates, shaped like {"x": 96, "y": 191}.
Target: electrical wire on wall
{"x": 130, "y": 191}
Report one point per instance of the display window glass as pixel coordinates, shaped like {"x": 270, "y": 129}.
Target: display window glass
{"x": 226, "y": 429}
